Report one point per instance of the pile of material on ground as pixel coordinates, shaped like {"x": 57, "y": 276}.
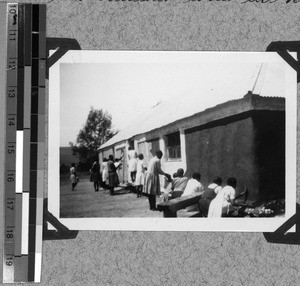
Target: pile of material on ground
{"x": 253, "y": 209}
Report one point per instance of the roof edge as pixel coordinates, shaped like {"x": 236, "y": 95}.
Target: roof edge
{"x": 248, "y": 102}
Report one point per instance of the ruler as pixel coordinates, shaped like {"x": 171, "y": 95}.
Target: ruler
{"x": 11, "y": 144}
{"x": 24, "y": 142}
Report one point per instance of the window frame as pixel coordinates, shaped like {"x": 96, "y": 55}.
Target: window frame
{"x": 176, "y": 148}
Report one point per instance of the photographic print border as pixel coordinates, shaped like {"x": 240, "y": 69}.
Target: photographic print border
{"x": 170, "y": 224}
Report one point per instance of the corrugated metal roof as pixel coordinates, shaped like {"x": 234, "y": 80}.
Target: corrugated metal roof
{"x": 189, "y": 104}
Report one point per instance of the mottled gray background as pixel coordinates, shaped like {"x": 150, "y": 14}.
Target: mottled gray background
{"x": 171, "y": 258}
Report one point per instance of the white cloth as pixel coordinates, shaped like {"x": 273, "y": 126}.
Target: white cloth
{"x": 117, "y": 164}
{"x": 152, "y": 184}
{"x": 104, "y": 171}
{"x": 215, "y": 187}
{"x": 221, "y": 203}
{"x": 140, "y": 173}
{"x": 72, "y": 175}
{"x": 193, "y": 186}
{"x": 132, "y": 163}
{"x": 132, "y": 154}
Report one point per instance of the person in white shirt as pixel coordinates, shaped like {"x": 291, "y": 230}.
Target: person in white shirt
{"x": 223, "y": 202}
{"x": 208, "y": 195}
{"x": 132, "y": 164}
{"x": 73, "y": 176}
{"x": 140, "y": 175}
{"x": 178, "y": 185}
{"x": 193, "y": 187}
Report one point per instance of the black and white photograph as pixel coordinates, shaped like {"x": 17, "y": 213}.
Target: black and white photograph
{"x": 172, "y": 140}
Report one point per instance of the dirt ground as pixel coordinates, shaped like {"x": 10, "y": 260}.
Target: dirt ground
{"x": 85, "y": 202}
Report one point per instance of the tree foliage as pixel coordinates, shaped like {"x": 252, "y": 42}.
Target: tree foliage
{"x": 96, "y": 131}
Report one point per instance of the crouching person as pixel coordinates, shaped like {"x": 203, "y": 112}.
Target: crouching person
{"x": 222, "y": 204}
{"x": 178, "y": 185}
{"x": 194, "y": 186}
{"x": 208, "y": 195}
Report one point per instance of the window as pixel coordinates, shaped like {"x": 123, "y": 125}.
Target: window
{"x": 153, "y": 146}
{"x": 131, "y": 144}
{"x": 173, "y": 146}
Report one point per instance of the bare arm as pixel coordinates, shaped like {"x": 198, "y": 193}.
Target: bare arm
{"x": 161, "y": 172}
{"x": 232, "y": 198}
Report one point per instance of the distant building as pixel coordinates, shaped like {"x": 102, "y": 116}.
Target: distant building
{"x": 244, "y": 138}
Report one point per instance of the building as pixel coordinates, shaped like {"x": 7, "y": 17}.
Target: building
{"x": 243, "y": 138}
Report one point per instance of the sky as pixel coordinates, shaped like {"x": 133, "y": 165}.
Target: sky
{"x": 127, "y": 90}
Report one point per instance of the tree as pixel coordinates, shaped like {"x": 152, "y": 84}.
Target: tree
{"x": 96, "y": 131}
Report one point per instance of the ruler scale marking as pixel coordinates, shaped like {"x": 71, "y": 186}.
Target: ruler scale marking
{"x": 25, "y": 141}
{"x": 11, "y": 126}
{"x": 19, "y": 142}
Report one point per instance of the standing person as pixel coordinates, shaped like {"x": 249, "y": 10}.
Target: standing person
{"x": 208, "y": 195}
{"x": 73, "y": 176}
{"x": 222, "y": 203}
{"x": 113, "y": 180}
{"x": 95, "y": 175}
{"x": 152, "y": 184}
{"x": 140, "y": 175}
{"x": 118, "y": 165}
{"x": 132, "y": 163}
{"x": 104, "y": 173}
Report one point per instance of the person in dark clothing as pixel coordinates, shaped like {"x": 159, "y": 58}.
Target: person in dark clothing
{"x": 95, "y": 175}
{"x": 208, "y": 195}
{"x": 113, "y": 179}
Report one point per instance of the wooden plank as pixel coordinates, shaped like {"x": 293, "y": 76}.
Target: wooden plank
{"x": 172, "y": 206}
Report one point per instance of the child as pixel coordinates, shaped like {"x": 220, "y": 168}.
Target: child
{"x": 140, "y": 175}
{"x": 132, "y": 164}
{"x": 73, "y": 176}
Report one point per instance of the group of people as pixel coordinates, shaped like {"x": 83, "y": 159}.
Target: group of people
{"x": 110, "y": 169}
{"x": 215, "y": 201}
